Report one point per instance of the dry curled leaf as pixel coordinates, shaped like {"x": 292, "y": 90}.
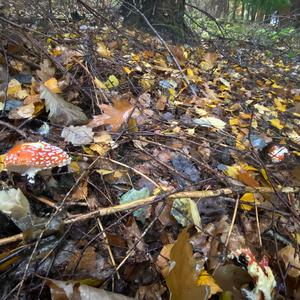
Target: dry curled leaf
{"x": 78, "y": 135}
{"x": 114, "y": 115}
{"x": 60, "y": 111}
{"x": 47, "y": 70}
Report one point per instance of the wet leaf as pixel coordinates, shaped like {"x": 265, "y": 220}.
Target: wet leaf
{"x": 185, "y": 211}
{"x": 14, "y": 87}
{"x": 248, "y": 197}
{"x": 133, "y": 195}
{"x": 207, "y": 280}
{"x": 183, "y": 272}
{"x": 14, "y": 204}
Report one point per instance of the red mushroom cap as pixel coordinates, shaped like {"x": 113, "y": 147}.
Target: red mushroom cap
{"x": 30, "y": 158}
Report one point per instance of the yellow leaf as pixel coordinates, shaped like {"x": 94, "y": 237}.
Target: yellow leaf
{"x": 200, "y": 112}
{"x": 132, "y": 125}
{"x": 52, "y": 85}
{"x": 248, "y": 167}
{"x": 87, "y": 150}
{"x": 190, "y": 73}
{"x": 14, "y": 86}
{"x": 207, "y": 280}
{"x": 248, "y": 197}
{"x": 102, "y": 137}
{"x": 104, "y": 171}
{"x": 296, "y": 153}
{"x": 127, "y": 70}
{"x": 100, "y": 149}
{"x": 74, "y": 166}
{"x": 276, "y": 86}
{"x": 99, "y": 84}
{"x": 276, "y": 123}
{"x": 234, "y": 121}
{"x": 265, "y": 175}
{"x": 112, "y": 82}
{"x": 147, "y": 82}
{"x": 103, "y": 51}
{"x": 191, "y": 131}
{"x": 22, "y": 94}
{"x": 279, "y": 105}
{"x": 2, "y": 162}
{"x": 233, "y": 171}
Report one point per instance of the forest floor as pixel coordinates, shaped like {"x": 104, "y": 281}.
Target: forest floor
{"x": 185, "y": 171}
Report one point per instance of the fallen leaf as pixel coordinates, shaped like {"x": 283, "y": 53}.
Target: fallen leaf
{"x": 14, "y": 87}
{"x": 291, "y": 259}
{"x": 114, "y": 115}
{"x": 210, "y": 122}
{"x": 15, "y": 205}
{"x": 22, "y": 112}
{"x": 248, "y": 197}
{"x": 207, "y": 280}
{"x": 112, "y": 82}
{"x": 247, "y": 178}
{"x": 68, "y": 290}
{"x": 276, "y": 123}
{"x": 78, "y": 135}
{"x": 60, "y": 111}
{"x": 52, "y": 85}
{"x": 133, "y": 195}
{"x": 183, "y": 271}
{"x": 99, "y": 84}
{"x": 47, "y": 70}
{"x": 103, "y": 51}
{"x": 185, "y": 211}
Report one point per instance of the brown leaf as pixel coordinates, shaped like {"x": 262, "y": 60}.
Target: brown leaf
{"x": 60, "y": 111}
{"x": 182, "y": 278}
{"x": 246, "y": 178}
{"x": 290, "y": 258}
{"x": 114, "y": 115}
{"x": 47, "y": 70}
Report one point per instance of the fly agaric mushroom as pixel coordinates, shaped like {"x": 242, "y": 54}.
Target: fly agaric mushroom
{"x": 260, "y": 272}
{"x": 30, "y": 158}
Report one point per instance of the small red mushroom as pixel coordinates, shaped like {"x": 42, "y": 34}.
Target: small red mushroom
{"x": 30, "y": 158}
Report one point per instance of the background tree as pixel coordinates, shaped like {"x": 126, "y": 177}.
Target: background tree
{"x": 166, "y": 16}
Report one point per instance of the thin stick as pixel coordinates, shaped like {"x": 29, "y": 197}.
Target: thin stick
{"x": 19, "y": 131}
{"x": 257, "y": 222}
{"x": 104, "y": 211}
{"x": 113, "y": 262}
{"x": 232, "y": 221}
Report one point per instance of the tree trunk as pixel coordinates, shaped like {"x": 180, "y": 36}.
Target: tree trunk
{"x": 166, "y": 16}
{"x": 295, "y": 9}
{"x": 235, "y": 5}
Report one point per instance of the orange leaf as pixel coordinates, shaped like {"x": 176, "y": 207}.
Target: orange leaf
{"x": 246, "y": 178}
{"x": 114, "y": 115}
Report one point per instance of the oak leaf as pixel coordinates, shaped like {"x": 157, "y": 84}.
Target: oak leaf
{"x": 114, "y": 115}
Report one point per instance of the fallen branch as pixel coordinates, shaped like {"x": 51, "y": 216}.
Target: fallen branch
{"x": 104, "y": 211}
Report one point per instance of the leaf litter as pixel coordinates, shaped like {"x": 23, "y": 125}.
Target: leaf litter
{"x": 109, "y": 225}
